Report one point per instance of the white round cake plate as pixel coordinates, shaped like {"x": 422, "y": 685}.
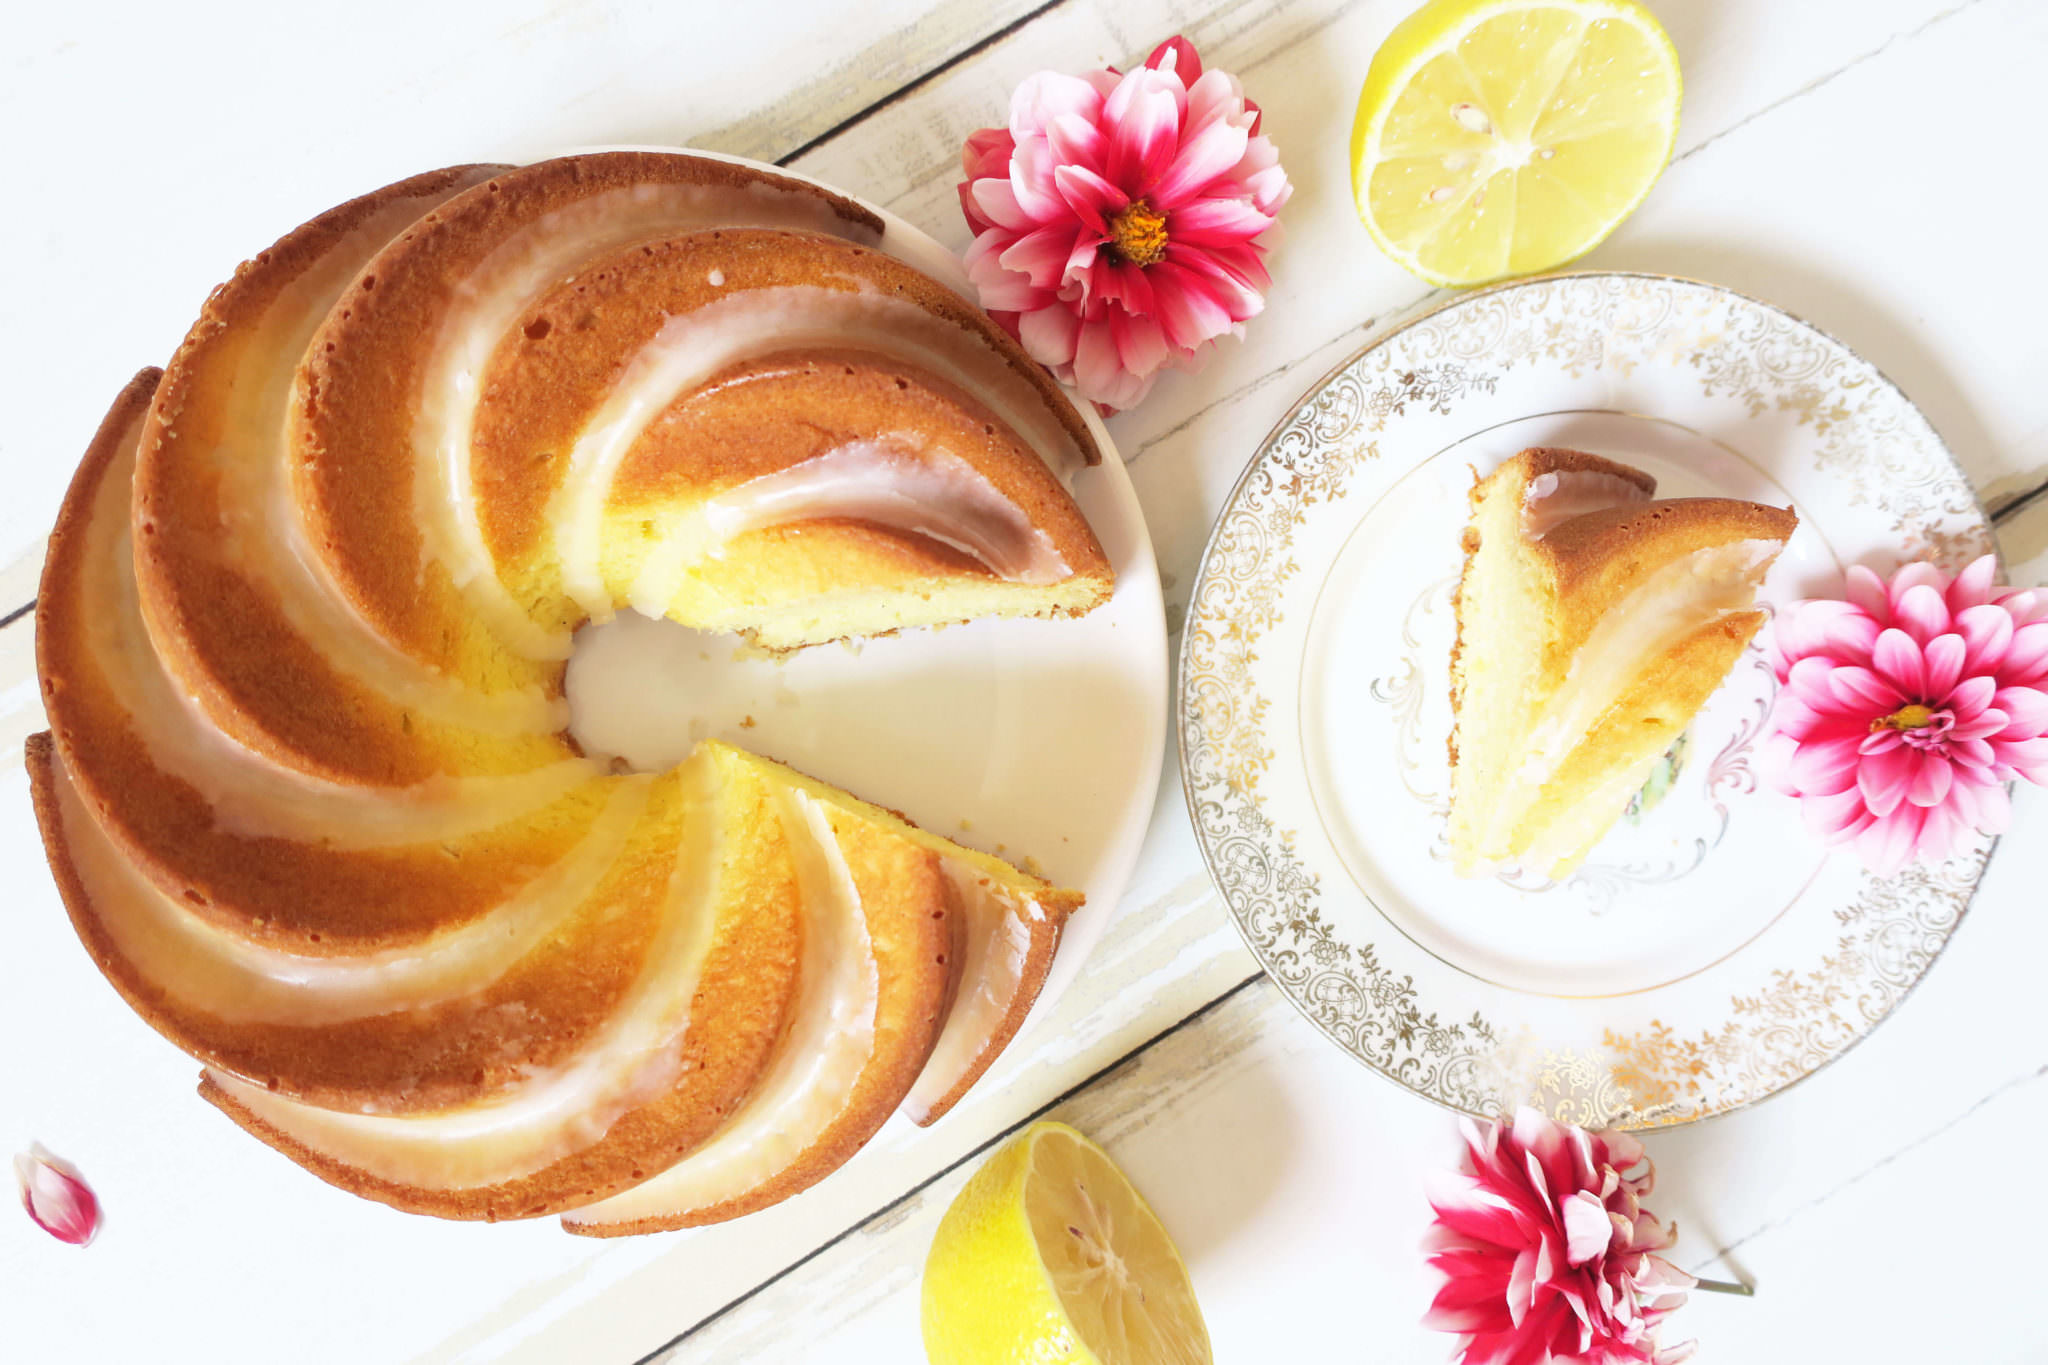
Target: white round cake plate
{"x": 1710, "y": 952}
{"x": 1038, "y": 741}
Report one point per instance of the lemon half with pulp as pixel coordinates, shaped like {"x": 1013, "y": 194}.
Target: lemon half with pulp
{"x": 1048, "y": 1255}
{"x": 1504, "y": 137}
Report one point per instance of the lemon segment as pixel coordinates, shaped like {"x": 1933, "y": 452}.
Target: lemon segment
{"x": 1048, "y": 1255}
{"x": 1503, "y": 137}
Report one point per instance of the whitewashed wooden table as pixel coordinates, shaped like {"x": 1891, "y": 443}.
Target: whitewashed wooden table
{"x": 1872, "y": 165}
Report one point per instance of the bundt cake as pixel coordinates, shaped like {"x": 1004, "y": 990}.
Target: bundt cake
{"x": 1593, "y": 623}
{"x": 308, "y": 791}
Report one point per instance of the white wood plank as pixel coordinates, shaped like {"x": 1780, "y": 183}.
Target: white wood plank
{"x": 533, "y": 79}
{"x": 154, "y": 147}
{"x": 1290, "y": 1177}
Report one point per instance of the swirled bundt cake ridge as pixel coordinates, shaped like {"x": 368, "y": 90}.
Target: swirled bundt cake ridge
{"x": 308, "y": 793}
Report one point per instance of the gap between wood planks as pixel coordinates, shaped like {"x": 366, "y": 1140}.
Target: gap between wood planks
{"x": 1187, "y": 1020}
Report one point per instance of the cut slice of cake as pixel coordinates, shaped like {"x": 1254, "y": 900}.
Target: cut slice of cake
{"x": 1593, "y": 623}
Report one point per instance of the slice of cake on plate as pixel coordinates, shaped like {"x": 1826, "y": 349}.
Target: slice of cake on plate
{"x": 1593, "y": 623}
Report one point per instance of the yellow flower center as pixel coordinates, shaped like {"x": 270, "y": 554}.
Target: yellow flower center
{"x": 1911, "y": 717}
{"x": 1138, "y": 233}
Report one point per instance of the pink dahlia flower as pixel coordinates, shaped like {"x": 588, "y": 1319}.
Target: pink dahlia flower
{"x": 1903, "y": 711}
{"x": 1121, "y": 222}
{"x": 1546, "y": 1250}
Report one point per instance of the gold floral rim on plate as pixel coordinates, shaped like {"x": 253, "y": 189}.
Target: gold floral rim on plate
{"x": 1860, "y": 461}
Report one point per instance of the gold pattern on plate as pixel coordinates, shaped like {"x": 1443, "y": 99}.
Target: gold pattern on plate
{"x": 1866, "y": 436}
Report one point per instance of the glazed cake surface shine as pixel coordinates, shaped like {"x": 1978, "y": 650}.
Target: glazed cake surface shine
{"x": 309, "y": 792}
{"x": 1593, "y": 623}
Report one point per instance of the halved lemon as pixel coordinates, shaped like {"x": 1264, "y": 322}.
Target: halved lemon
{"x": 1049, "y": 1255}
{"x": 1504, "y": 137}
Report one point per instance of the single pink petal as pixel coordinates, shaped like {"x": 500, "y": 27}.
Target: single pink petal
{"x": 1200, "y": 160}
{"x": 1837, "y": 817}
{"x": 1987, "y": 632}
{"x": 998, "y": 200}
{"x": 1866, "y": 590}
{"x": 2026, "y": 659}
{"x": 1077, "y": 141}
{"x": 1587, "y": 1230}
{"x": 1920, "y": 610}
{"x": 1031, "y": 182}
{"x": 1987, "y": 807}
{"x": 1244, "y": 262}
{"x": 1217, "y": 96}
{"x": 1081, "y": 264}
{"x": 56, "y": 1196}
{"x": 1041, "y": 256}
{"x": 1269, "y": 188}
{"x": 1140, "y": 342}
{"x": 1823, "y": 626}
{"x": 987, "y": 152}
{"x": 2027, "y": 757}
{"x": 1888, "y": 844}
{"x": 1206, "y": 222}
{"x": 1973, "y": 586}
{"x": 2026, "y": 710}
{"x": 1206, "y": 265}
{"x": 1884, "y": 780}
{"x": 1144, "y": 129}
{"x": 1048, "y": 95}
{"x": 1986, "y": 723}
{"x": 1944, "y": 657}
{"x": 1522, "y": 1286}
{"x": 1128, "y": 285}
{"x": 1089, "y": 197}
{"x": 1187, "y": 306}
{"x": 1969, "y": 697}
{"x": 1919, "y": 574}
{"x": 1826, "y": 767}
{"x": 1931, "y": 778}
{"x": 1049, "y": 333}
{"x": 1097, "y": 373}
{"x": 999, "y": 288}
{"x": 1792, "y": 715}
{"x": 1897, "y": 656}
{"x": 1177, "y": 55}
{"x": 1880, "y": 741}
{"x": 1860, "y": 691}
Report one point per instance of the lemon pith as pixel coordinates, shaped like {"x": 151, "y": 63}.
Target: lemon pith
{"x": 1047, "y": 1254}
{"x": 1504, "y": 137}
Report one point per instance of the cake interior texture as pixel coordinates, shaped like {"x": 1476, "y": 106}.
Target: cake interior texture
{"x": 1593, "y": 623}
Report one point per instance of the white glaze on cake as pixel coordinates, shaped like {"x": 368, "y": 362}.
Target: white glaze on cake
{"x": 489, "y": 303}
{"x": 998, "y": 950}
{"x": 1553, "y": 498}
{"x": 693, "y": 347}
{"x": 558, "y": 1111}
{"x": 238, "y": 981}
{"x": 822, "y": 1054}
{"x": 893, "y": 481}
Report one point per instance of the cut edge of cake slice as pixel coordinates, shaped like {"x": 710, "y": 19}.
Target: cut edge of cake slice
{"x": 1593, "y": 623}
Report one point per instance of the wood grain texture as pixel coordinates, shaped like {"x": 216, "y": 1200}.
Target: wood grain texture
{"x": 1843, "y": 159}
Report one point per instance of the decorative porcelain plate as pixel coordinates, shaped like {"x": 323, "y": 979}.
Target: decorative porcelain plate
{"x": 1710, "y": 952}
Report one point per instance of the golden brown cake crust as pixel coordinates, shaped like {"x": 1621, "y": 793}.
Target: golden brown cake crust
{"x": 911, "y": 925}
{"x": 299, "y": 846}
{"x": 216, "y": 621}
{"x": 360, "y": 385}
{"x": 1596, "y": 558}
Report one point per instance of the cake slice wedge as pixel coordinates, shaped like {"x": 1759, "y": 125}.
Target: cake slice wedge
{"x": 1593, "y": 623}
